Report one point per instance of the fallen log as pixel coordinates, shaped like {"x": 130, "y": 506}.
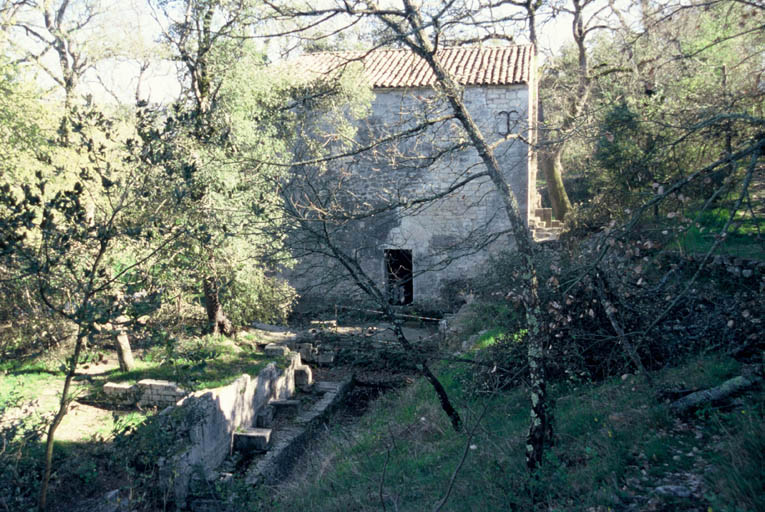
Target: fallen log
{"x": 712, "y": 395}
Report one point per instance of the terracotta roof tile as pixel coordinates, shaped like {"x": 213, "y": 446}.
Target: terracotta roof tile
{"x": 504, "y": 65}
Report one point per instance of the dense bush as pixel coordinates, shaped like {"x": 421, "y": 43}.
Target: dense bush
{"x": 21, "y": 432}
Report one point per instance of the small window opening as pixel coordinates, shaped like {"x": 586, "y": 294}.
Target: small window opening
{"x": 398, "y": 266}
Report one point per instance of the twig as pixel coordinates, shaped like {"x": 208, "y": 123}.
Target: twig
{"x": 720, "y": 238}
{"x": 453, "y": 479}
{"x": 382, "y": 479}
{"x": 623, "y": 339}
{"x": 399, "y": 315}
{"x": 754, "y": 150}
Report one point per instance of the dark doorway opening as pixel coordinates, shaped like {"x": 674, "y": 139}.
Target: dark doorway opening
{"x": 398, "y": 267}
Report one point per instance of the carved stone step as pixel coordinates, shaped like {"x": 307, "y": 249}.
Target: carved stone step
{"x": 252, "y": 440}
{"x": 265, "y": 417}
{"x": 285, "y": 408}
{"x": 303, "y": 377}
{"x": 544, "y": 214}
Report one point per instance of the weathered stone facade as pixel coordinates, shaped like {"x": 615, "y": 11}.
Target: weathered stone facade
{"x": 444, "y": 239}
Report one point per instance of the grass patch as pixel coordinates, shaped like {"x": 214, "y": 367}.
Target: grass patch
{"x": 738, "y": 481}
{"x": 743, "y": 238}
{"x": 490, "y": 337}
{"x": 606, "y": 434}
{"x": 195, "y": 363}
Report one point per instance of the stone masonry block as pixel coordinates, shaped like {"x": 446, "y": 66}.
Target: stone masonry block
{"x": 326, "y": 358}
{"x": 303, "y": 376}
{"x": 120, "y": 391}
{"x": 307, "y": 352}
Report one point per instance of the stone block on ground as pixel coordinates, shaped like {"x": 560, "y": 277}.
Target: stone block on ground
{"x": 326, "y": 386}
{"x": 307, "y": 352}
{"x": 274, "y": 350}
{"x": 120, "y": 391}
{"x": 159, "y": 392}
{"x": 252, "y": 440}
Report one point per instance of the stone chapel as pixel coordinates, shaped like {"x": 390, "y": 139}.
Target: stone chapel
{"x": 416, "y": 251}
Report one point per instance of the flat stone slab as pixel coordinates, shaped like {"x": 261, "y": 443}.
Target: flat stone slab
{"x": 274, "y": 350}
{"x": 118, "y": 389}
{"x": 326, "y": 386}
{"x": 252, "y": 440}
{"x": 325, "y": 358}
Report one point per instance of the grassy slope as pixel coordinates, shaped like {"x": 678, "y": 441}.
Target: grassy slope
{"x": 614, "y": 445}
{"x": 744, "y": 237}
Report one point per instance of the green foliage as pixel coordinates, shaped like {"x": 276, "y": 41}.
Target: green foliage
{"x": 21, "y": 453}
{"x": 628, "y": 155}
{"x": 251, "y": 296}
{"x": 68, "y": 239}
{"x": 743, "y": 238}
{"x": 217, "y": 187}
{"x": 22, "y": 122}
{"x": 679, "y": 98}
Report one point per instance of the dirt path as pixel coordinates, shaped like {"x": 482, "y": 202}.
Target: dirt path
{"x": 83, "y": 422}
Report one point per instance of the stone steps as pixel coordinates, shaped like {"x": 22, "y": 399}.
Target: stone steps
{"x": 288, "y": 442}
{"x": 543, "y": 227}
{"x": 545, "y": 235}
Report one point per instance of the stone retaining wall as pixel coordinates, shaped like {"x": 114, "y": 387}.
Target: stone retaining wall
{"x": 145, "y": 393}
{"x": 211, "y": 417}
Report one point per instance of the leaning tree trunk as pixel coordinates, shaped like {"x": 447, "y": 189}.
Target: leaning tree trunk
{"x": 217, "y": 321}
{"x": 540, "y": 430}
{"x": 62, "y": 410}
{"x": 124, "y": 352}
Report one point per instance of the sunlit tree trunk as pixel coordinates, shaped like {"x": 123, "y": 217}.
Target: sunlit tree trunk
{"x": 217, "y": 321}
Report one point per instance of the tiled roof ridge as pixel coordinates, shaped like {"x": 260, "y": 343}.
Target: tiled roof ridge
{"x": 407, "y": 50}
{"x": 402, "y": 68}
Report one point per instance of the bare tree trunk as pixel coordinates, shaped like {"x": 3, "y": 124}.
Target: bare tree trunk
{"x": 550, "y": 161}
{"x": 122, "y": 343}
{"x": 217, "y": 321}
{"x": 443, "y": 397}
